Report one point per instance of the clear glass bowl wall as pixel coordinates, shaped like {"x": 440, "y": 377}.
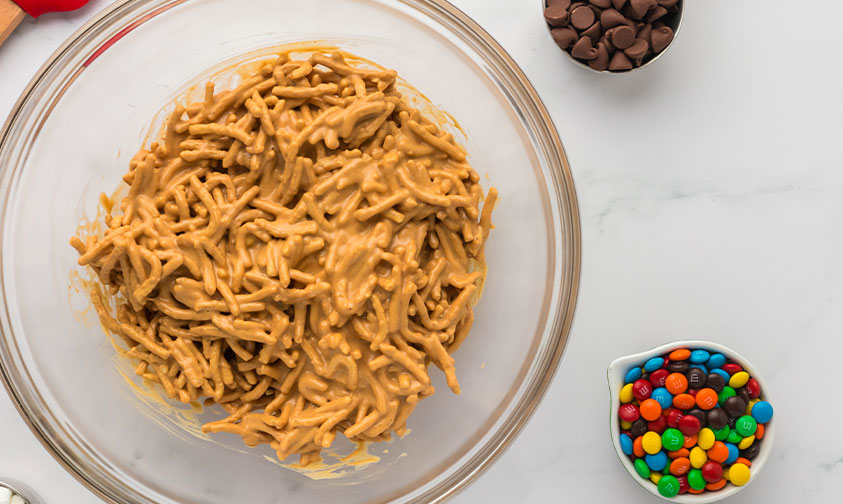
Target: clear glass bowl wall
{"x": 70, "y": 137}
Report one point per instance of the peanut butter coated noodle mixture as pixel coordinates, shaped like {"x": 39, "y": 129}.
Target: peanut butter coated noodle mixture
{"x": 297, "y": 250}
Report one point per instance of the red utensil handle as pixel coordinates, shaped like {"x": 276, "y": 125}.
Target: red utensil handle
{"x": 37, "y": 7}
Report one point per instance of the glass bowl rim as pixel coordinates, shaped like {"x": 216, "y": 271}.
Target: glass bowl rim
{"x": 560, "y": 181}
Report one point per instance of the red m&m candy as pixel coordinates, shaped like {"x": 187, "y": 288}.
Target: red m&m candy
{"x": 628, "y": 412}
{"x": 641, "y": 389}
{"x": 752, "y": 387}
{"x": 731, "y": 368}
{"x": 689, "y": 425}
{"x": 658, "y": 378}
{"x": 673, "y": 417}
{"x": 712, "y": 472}
{"x": 658, "y": 425}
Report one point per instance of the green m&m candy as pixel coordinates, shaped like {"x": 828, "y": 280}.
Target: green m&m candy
{"x": 669, "y": 486}
{"x": 641, "y": 468}
{"x": 746, "y": 425}
{"x": 695, "y": 479}
{"x": 734, "y": 437}
{"x": 724, "y": 394}
{"x": 722, "y": 434}
{"x": 672, "y": 439}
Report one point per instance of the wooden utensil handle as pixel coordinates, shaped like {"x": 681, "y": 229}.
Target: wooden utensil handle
{"x": 10, "y": 17}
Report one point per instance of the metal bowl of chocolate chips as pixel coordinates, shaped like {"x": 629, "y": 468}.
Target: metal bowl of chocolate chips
{"x": 613, "y": 36}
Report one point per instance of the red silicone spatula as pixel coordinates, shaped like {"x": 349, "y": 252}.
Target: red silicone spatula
{"x": 13, "y": 12}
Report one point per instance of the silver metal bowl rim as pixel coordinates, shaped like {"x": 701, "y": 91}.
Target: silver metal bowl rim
{"x": 680, "y": 3}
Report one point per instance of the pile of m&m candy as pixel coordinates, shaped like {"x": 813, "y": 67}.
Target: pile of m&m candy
{"x": 692, "y": 421}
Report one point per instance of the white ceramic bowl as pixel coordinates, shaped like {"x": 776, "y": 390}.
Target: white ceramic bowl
{"x": 616, "y": 373}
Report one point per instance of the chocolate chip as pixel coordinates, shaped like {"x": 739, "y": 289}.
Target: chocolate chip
{"x": 556, "y": 16}
{"x": 608, "y": 43}
{"x": 564, "y": 37}
{"x": 644, "y": 32}
{"x": 637, "y": 50}
{"x": 583, "y": 49}
{"x": 717, "y": 418}
{"x": 656, "y": 13}
{"x": 614, "y": 35}
{"x": 593, "y": 32}
{"x": 601, "y": 62}
{"x": 582, "y": 17}
{"x": 639, "y": 427}
{"x": 638, "y": 8}
{"x": 661, "y": 38}
{"x": 623, "y": 36}
{"x": 619, "y": 62}
{"x": 610, "y": 18}
{"x": 734, "y": 406}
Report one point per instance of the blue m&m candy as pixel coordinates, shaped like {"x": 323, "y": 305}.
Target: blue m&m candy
{"x": 635, "y": 373}
{"x": 722, "y": 373}
{"x": 663, "y": 397}
{"x": 626, "y": 444}
{"x": 656, "y": 461}
{"x": 715, "y": 361}
{"x": 734, "y": 453}
{"x": 762, "y": 412}
{"x": 699, "y": 356}
{"x": 653, "y": 364}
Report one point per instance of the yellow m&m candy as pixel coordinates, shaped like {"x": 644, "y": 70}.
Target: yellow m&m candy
{"x": 705, "y": 439}
{"x": 739, "y": 474}
{"x": 626, "y": 394}
{"x": 698, "y": 457}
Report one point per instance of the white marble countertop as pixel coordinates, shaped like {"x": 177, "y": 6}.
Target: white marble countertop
{"x": 711, "y": 192}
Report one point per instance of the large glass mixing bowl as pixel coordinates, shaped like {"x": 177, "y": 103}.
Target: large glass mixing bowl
{"x": 70, "y": 137}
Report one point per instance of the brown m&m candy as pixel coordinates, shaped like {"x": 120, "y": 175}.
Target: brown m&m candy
{"x": 717, "y": 418}
{"x": 734, "y": 406}
{"x": 715, "y": 382}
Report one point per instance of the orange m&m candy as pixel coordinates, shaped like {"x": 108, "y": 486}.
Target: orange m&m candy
{"x": 684, "y": 401}
{"x": 718, "y": 453}
{"x": 681, "y": 452}
{"x": 717, "y": 485}
{"x": 706, "y": 398}
{"x": 679, "y": 354}
{"x": 741, "y": 460}
{"x": 638, "y": 447}
{"x": 676, "y": 383}
{"x": 691, "y": 441}
{"x": 650, "y": 409}
{"x": 680, "y": 466}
